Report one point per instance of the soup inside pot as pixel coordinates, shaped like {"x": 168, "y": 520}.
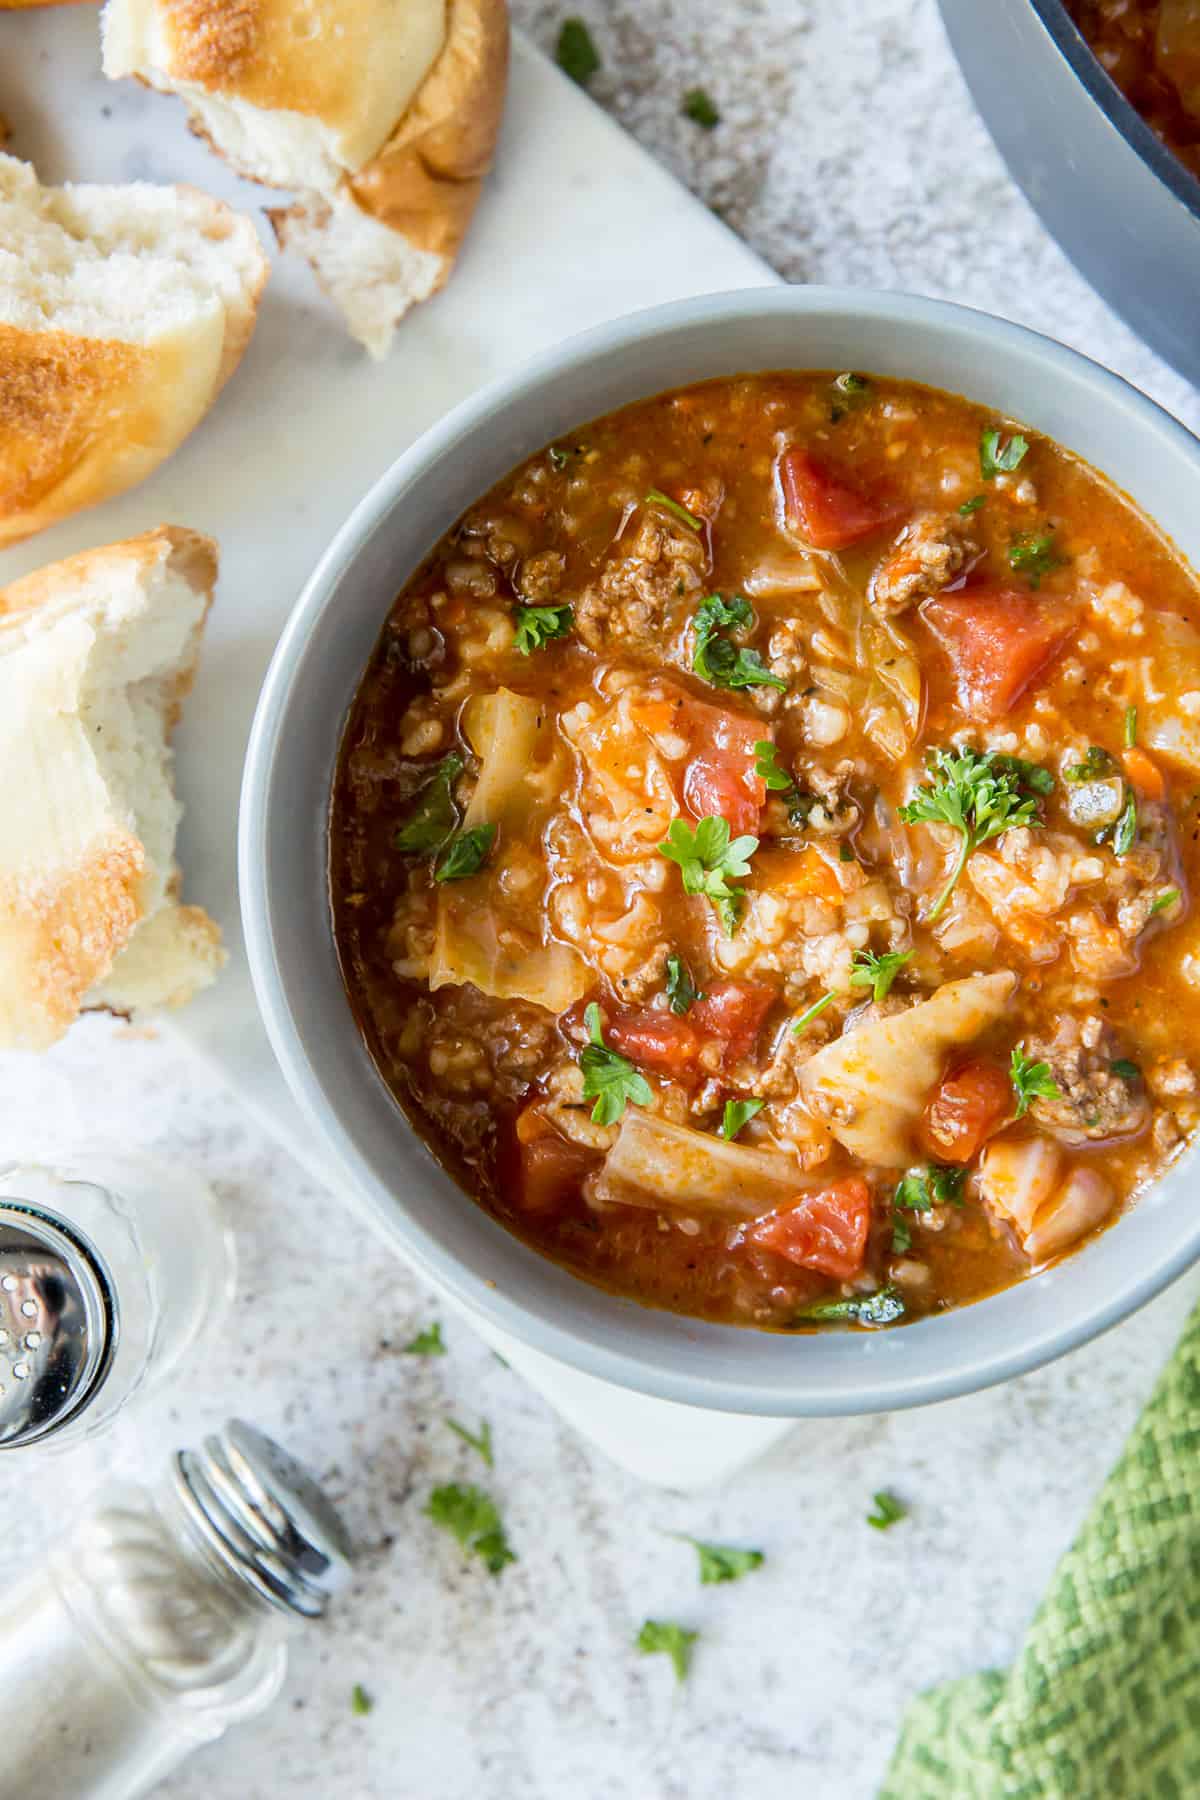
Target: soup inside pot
{"x": 762, "y": 846}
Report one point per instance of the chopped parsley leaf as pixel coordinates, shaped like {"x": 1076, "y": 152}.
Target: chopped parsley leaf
{"x": 481, "y": 1441}
{"x": 657, "y": 498}
{"x": 849, "y": 390}
{"x": 470, "y": 1515}
{"x": 1095, "y": 765}
{"x": 1128, "y": 1071}
{"x": 537, "y": 625}
{"x": 878, "y": 972}
{"x": 682, "y": 992}
{"x": 1034, "y": 556}
{"x": 659, "y": 1637}
{"x": 766, "y": 767}
{"x": 576, "y": 54}
{"x": 883, "y": 1307}
{"x": 434, "y": 815}
{"x": 812, "y": 1012}
{"x": 980, "y": 795}
{"x": 888, "y": 1511}
{"x": 933, "y": 1185}
{"x": 996, "y": 458}
{"x": 1031, "y": 1081}
{"x": 901, "y": 1235}
{"x": 427, "y": 1342}
{"x": 360, "y": 1701}
{"x": 1131, "y": 727}
{"x": 972, "y": 505}
{"x": 738, "y": 1113}
{"x": 1164, "y": 900}
{"x": 707, "y": 857}
{"x": 465, "y": 854}
{"x": 608, "y": 1077}
{"x": 699, "y": 107}
{"x": 723, "y": 1562}
{"x": 716, "y": 658}
{"x": 1126, "y": 829}
{"x": 559, "y": 458}
{"x": 845, "y": 853}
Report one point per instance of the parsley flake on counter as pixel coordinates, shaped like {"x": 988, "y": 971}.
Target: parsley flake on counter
{"x": 465, "y": 854}
{"x": 608, "y": 1077}
{"x": 1034, "y": 556}
{"x": 722, "y": 1562}
{"x": 888, "y": 1511}
{"x": 656, "y": 497}
{"x": 717, "y": 659}
{"x": 1131, "y": 727}
{"x": 576, "y": 53}
{"x": 996, "y": 458}
{"x": 972, "y": 505}
{"x": 360, "y": 1701}
{"x": 470, "y": 1515}
{"x": 537, "y": 626}
{"x": 659, "y": 1637}
{"x": 434, "y": 815}
{"x": 1031, "y": 1081}
{"x": 979, "y": 795}
{"x": 700, "y": 108}
{"x": 878, "y": 972}
{"x": 738, "y": 1113}
{"x": 1164, "y": 900}
{"x": 427, "y": 1342}
{"x": 707, "y": 858}
{"x": 682, "y": 992}
{"x": 480, "y": 1442}
{"x": 883, "y": 1307}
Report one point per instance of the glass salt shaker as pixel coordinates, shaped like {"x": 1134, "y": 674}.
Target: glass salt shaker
{"x": 111, "y": 1266}
{"x": 161, "y": 1619}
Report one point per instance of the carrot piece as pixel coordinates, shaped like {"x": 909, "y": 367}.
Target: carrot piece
{"x": 1144, "y": 773}
{"x": 798, "y": 872}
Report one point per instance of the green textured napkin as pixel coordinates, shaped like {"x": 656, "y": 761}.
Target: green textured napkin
{"x": 1104, "y": 1699}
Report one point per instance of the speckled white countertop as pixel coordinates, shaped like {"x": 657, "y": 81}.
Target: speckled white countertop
{"x": 849, "y": 152}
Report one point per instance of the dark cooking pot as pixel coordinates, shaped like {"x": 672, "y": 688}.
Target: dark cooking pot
{"x": 1123, "y": 208}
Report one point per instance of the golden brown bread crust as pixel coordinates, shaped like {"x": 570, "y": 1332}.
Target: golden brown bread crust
{"x": 426, "y": 180}
{"x": 64, "y": 928}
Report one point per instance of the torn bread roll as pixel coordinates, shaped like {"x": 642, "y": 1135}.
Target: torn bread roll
{"x": 96, "y": 654}
{"x": 382, "y": 115}
{"x": 123, "y": 311}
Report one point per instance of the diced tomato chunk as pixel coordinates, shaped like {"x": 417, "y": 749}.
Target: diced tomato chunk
{"x": 999, "y": 643}
{"x": 969, "y": 1104}
{"x": 826, "y": 1231}
{"x": 731, "y": 1015}
{"x": 552, "y": 1170}
{"x": 733, "y": 1011}
{"x": 826, "y": 511}
{"x": 721, "y": 778}
{"x": 655, "y": 1040}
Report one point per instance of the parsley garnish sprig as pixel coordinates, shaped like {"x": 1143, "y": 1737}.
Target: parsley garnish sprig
{"x": 433, "y": 817}
{"x": 537, "y": 626}
{"x": 878, "y": 972}
{"x": 608, "y": 1077}
{"x": 708, "y": 859}
{"x": 883, "y": 1307}
{"x": 717, "y": 659}
{"x": 656, "y": 497}
{"x": 1030, "y": 1081}
{"x": 738, "y": 1113}
{"x": 465, "y": 854}
{"x": 996, "y": 458}
{"x": 978, "y": 794}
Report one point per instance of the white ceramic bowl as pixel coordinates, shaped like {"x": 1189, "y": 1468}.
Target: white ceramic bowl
{"x": 285, "y": 805}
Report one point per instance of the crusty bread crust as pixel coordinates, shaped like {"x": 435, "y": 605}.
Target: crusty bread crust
{"x": 426, "y": 181}
{"x": 63, "y": 928}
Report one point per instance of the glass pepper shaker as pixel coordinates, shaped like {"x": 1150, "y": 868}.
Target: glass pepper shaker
{"x": 110, "y": 1267}
{"x": 161, "y": 1619}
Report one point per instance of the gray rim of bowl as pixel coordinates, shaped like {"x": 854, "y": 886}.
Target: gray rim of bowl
{"x": 1120, "y": 112}
{"x": 871, "y": 1388}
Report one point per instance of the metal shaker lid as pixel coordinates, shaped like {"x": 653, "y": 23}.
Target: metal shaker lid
{"x": 264, "y": 1519}
{"x": 58, "y": 1323}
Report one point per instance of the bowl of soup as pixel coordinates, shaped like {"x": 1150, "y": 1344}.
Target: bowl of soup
{"x": 719, "y": 848}
{"x": 1095, "y": 107}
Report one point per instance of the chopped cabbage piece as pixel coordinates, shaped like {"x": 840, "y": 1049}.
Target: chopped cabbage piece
{"x": 694, "y": 1171}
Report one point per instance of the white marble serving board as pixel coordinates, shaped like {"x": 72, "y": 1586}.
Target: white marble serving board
{"x": 577, "y": 225}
